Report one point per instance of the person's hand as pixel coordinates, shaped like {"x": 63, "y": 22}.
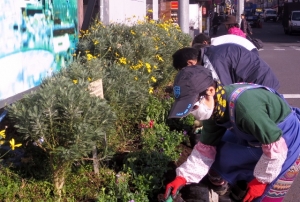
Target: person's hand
{"x": 255, "y": 189}
{"x": 174, "y": 186}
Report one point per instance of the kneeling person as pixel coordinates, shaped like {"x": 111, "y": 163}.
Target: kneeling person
{"x": 263, "y": 147}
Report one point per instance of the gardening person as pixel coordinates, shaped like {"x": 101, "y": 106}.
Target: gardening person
{"x": 264, "y": 142}
{"x": 230, "y": 63}
{"x": 224, "y": 39}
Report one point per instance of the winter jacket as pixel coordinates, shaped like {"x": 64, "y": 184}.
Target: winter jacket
{"x": 232, "y": 63}
{"x": 245, "y": 27}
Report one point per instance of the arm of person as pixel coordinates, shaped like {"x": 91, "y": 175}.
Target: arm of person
{"x": 258, "y": 122}
{"x": 203, "y": 154}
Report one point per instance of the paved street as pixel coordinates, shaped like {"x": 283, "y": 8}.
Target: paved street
{"x": 282, "y": 53}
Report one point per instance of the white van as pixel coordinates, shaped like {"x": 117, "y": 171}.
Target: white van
{"x": 270, "y": 14}
{"x": 294, "y": 22}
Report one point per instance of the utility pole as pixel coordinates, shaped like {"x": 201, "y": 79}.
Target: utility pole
{"x": 101, "y": 10}
{"x": 183, "y": 8}
{"x": 240, "y": 10}
{"x": 200, "y": 17}
{"x": 155, "y": 9}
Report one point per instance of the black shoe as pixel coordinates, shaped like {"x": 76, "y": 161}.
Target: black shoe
{"x": 225, "y": 198}
{"x": 239, "y": 190}
{"x": 219, "y": 189}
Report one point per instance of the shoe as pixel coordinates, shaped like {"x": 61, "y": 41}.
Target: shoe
{"x": 239, "y": 190}
{"x": 220, "y": 189}
{"x": 225, "y": 198}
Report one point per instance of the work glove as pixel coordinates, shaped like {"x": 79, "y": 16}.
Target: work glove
{"x": 255, "y": 189}
{"x": 174, "y": 186}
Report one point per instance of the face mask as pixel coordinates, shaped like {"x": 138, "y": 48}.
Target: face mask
{"x": 202, "y": 112}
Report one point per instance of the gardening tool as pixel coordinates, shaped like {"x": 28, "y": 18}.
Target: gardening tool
{"x": 170, "y": 199}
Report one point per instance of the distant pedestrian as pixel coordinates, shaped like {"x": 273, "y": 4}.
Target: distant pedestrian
{"x": 233, "y": 27}
{"x": 215, "y": 23}
{"x": 245, "y": 26}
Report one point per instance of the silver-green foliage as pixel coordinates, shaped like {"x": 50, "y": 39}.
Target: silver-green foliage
{"x": 63, "y": 118}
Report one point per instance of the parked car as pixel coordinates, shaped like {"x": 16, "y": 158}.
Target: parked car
{"x": 294, "y": 22}
{"x": 270, "y": 14}
{"x": 291, "y": 17}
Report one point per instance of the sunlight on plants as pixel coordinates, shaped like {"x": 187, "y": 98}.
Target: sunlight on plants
{"x": 63, "y": 121}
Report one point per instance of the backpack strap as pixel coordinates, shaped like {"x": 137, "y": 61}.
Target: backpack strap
{"x": 237, "y": 92}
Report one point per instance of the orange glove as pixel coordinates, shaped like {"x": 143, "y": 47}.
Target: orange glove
{"x": 175, "y": 186}
{"x": 255, "y": 189}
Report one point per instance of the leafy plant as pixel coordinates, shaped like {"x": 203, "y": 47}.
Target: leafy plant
{"x": 147, "y": 169}
{"x": 64, "y": 120}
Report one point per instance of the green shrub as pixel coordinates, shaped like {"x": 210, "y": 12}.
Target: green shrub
{"x": 64, "y": 120}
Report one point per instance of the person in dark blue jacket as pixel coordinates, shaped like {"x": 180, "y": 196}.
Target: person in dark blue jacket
{"x": 229, "y": 63}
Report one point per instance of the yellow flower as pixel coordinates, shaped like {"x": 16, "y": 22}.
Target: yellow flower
{"x": 150, "y": 90}
{"x": 89, "y": 79}
{"x": 136, "y": 78}
{"x": 13, "y": 145}
{"x": 123, "y": 60}
{"x": 156, "y": 47}
{"x": 150, "y": 11}
{"x": 116, "y": 54}
{"x": 159, "y": 58}
{"x": 75, "y": 81}
{"x": 153, "y": 79}
{"x": 2, "y": 133}
{"x": 154, "y": 66}
{"x": 96, "y": 42}
{"x": 132, "y": 32}
{"x": 148, "y": 66}
{"x": 89, "y": 56}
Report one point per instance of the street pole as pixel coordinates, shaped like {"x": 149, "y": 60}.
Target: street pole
{"x": 155, "y": 9}
{"x": 183, "y": 7}
{"x": 240, "y": 10}
{"x": 200, "y": 17}
{"x": 101, "y": 9}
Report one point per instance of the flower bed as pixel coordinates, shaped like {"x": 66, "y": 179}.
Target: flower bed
{"x": 76, "y": 146}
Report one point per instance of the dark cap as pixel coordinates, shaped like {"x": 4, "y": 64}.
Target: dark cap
{"x": 230, "y": 20}
{"x": 188, "y": 84}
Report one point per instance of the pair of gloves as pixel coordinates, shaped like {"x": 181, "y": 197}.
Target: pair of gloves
{"x": 255, "y": 188}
